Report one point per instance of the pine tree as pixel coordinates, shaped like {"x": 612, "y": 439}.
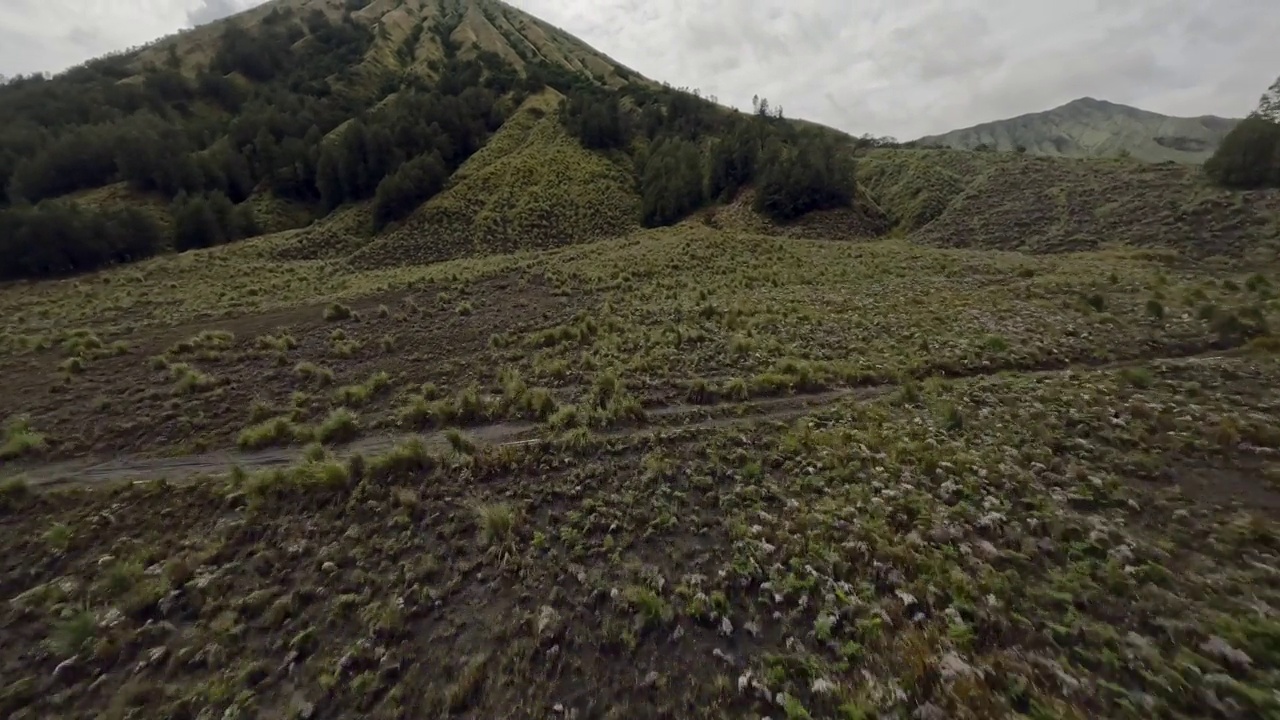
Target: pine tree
{"x": 1269, "y": 104}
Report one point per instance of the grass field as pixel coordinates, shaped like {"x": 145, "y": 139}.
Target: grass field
{"x": 720, "y": 470}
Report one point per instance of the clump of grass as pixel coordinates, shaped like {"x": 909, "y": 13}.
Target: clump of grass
{"x": 518, "y": 399}
{"x": 406, "y": 458}
{"x": 908, "y": 391}
{"x": 1155, "y": 309}
{"x": 1095, "y": 301}
{"x": 770, "y": 384}
{"x": 1139, "y": 377}
{"x": 651, "y": 610}
{"x": 950, "y": 417}
{"x": 188, "y": 380}
{"x": 80, "y": 342}
{"x": 281, "y": 343}
{"x": 539, "y": 403}
{"x": 274, "y": 432}
{"x": 58, "y": 536}
{"x": 1257, "y": 282}
{"x": 995, "y": 343}
{"x": 334, "y": 312}
{"x": 344, "y": 348}
{"x": 207, "y": 340}
{"x": 357, "y": 395}
{"x": 497, "y": 523}
{"x": 1234, "y": 326}
{"x": 314, "y": 452}
{"x": 72, "y": 365}
{"x": 321, "y": 473}
{"x": 259, "y": 411}
{"x": 609, "y": 402}
{"x": 1265, "y": 344}
{"x": 736, "y": 389}
{"x": 569, "y": 416}
{"x": 309, "y": 475}
{"x": 73, "y": 634}
{"x": 700, "y": 392}
{"x": 341, "y": 426}
{"x": 20, "y": 440}
{"x": 465, "y": 406}
{"x": 460, "y": 442}
{"x": 313, "y": 373}
{"x": 554, "y": 368}
{"x": 741, "y": 345}
{"x": 423, "y": 413}
{"x": 465, "y": 308}
{"x": 13, "y": 492}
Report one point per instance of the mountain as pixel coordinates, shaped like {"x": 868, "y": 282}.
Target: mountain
{"x": 1095, "y": 128}
{"x": 391, "y": 131}
{"x": 413, "y": 36}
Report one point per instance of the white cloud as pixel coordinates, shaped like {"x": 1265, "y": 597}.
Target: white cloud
{"x": 899, "y": 67}
{"x": 911, "y": 67}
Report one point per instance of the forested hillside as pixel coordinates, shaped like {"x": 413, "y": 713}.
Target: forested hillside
{"x": 284, "y": 114}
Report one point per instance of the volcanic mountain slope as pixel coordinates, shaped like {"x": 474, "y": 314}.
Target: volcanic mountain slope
{"x": 427, "y": 130}
{"x": 1095, "y": 128}
{"x": 412, "y": 36}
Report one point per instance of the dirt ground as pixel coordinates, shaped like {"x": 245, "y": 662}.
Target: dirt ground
{"x": 123, "y": 404}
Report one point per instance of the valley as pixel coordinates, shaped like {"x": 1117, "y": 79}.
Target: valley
{"x": 631, "y": 407}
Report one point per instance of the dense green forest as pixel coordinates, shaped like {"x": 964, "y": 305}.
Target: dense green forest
{"x": 285, "y": 108}
{"x": 1249, "y": 156}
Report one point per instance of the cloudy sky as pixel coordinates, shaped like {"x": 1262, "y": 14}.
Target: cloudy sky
{"x": 889, "y": 67}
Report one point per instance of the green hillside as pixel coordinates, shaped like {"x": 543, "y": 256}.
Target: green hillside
{"x": 1007, "y": 201}
{"x": 1095, "y": 128}
{"x": 447, "y": 128}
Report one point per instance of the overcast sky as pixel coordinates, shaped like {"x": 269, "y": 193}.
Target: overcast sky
{"x": 889, "y": 67}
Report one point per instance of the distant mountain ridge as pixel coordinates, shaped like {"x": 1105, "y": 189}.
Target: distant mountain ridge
{"x": 1089, "y": 127}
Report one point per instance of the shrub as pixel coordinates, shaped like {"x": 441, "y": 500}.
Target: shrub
{"x": 20, "y": 440}
{"x": 341, "y": 426}
{"x": 276, "y": 431}
{"x": 336, "y": 311}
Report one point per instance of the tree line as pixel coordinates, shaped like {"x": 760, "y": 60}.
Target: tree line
{"x": 278, "y": 109}
{"x": 262, "y": 116}
{"x": 1249, "y": 156}
{"x": 255, "y": 117}
{"x": 692, "y": 152}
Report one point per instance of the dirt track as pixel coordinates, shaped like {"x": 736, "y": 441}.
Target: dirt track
{"x": 139, "y": 468}
{"x": 135, "y": 468}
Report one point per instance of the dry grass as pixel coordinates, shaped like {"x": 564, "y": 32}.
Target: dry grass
{"x": 1036, "y": 484}
{"x": 532, "y": 187}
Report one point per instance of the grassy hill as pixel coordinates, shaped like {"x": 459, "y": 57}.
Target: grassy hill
{"x": 445, "y": 128}
{"x": 1008, "y": 201}
{"x": 469, "y": 374}
{"x": 1095, "y": 128}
